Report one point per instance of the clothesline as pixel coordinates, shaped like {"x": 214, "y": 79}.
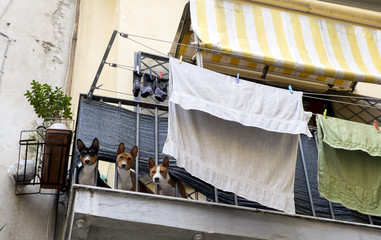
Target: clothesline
{"x": 199, "y": 46}
{"x": 306, "y": 94}
{"x": 325, "y": 99}
{"x": 341, "y": 96}
{"x": 342, "y": 102}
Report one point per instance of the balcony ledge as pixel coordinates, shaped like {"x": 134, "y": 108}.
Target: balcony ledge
{"x": 97, "y": 213}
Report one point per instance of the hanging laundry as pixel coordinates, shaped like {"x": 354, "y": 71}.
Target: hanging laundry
{"x": 350, "y": 164}
{"x": 148, "y": 85}
{"x": 137, "y": 76}
{"x": 241, "y": 138}
{"x": 161, "y": 89}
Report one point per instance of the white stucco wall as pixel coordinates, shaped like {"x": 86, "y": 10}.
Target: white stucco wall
{"x": 40, "y": 32}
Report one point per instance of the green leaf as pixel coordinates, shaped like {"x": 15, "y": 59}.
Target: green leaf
{"x": 48, "y": 102}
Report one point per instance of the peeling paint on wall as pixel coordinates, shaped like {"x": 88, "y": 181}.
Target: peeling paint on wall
{"x": 47, "y": 46}
{"x": 57, "y": 18}
{"x": 7, "y": 42}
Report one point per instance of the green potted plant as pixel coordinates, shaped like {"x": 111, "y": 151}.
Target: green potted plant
{"x": 49, "y": 103}
{"x": 52, "y": 104}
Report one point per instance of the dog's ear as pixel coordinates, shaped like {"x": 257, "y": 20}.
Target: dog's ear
{"x": 151, "y": 163}
{"x": 80, "y": 145}
{"x": 95, "y": 144}
{"x": 165, "y": 162}
{"x": 134, "y": 151}
{"x": 121, "y": 148}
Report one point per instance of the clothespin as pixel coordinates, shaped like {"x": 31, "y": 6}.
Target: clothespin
{"x": 161, "y": 75}
{"x": 375, "y": 124}
{"x": 290, "y": 88}
{"x": 150, "y": 73}
{"x": 237, "y": 79}
{"x": 325, "y": 113}
{"x": 181, "y": 59}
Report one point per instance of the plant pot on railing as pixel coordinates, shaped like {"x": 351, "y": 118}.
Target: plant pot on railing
{"x": 56, "y": 157}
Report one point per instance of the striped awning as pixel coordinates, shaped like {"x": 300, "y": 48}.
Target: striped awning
{"x": 291, "y": 43}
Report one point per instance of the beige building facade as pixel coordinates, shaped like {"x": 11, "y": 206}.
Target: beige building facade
{"x": 143, "y": 20}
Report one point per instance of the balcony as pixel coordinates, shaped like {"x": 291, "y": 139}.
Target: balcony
{"x": 208, "y": 213}
{"x": 98, "y": 213}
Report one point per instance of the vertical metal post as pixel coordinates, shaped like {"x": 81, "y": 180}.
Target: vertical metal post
{"x": 36, "y": 163}
{"x": 116, "y": 166}
{"x": 156, "y": 141}
{"x": 97, "y": 75}
{"x": 370, "y": 220}
{"x": 215, "y": 194}
{"x": 196, "y": 195}
{"x": 137, "y": 63}
{"x": 74, "y": 178}
{"x": 96, "y": 175}
{"x": 137, "y": 144}
{"x": 25, "y": 160}
{"x": 116, "y": 177}
{"x": 18, "y": 162}
{"x": 198, "y": 53}
{"x": 307, "y": 179}
{"x": 329, "y": 203}
{"x": 235, "y": 199}
{"x": 176, "y": 190}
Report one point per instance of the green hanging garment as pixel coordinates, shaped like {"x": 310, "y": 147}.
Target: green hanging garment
{"x": 349, "y": 170}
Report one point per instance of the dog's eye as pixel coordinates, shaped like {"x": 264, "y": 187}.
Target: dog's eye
{"x": 120, "y": 157}
{"x": 161, "y": 171}
{"x": 153, "y": 172}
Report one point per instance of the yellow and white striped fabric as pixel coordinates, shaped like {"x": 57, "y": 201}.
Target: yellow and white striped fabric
{"x": 290, "y": 42}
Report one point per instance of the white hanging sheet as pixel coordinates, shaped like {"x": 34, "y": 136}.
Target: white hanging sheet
{"x": 241, "y": 138}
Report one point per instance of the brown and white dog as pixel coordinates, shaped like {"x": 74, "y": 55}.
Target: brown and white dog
{"x": 89, "y": 158}
{"x": 161, "y": 177}
{"x": 126, "y": 175}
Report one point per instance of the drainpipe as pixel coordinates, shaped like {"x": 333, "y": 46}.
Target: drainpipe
{"x": 69, "y": 79}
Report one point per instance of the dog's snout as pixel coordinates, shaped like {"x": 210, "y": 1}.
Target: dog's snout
{"x": 87, "y": 161}
{"x": 156, "y": 179}
{"x": 124, "y": 165}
